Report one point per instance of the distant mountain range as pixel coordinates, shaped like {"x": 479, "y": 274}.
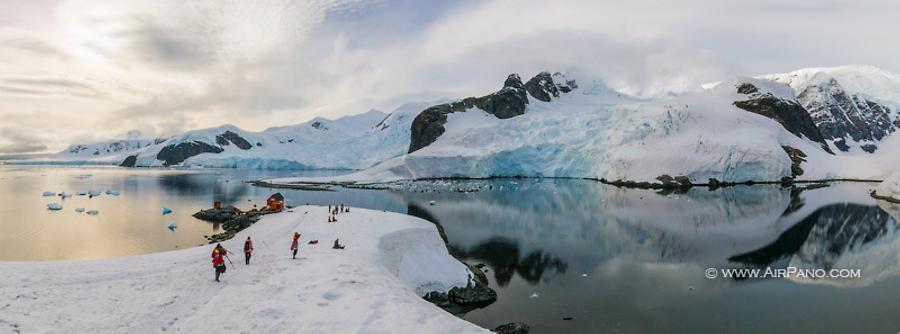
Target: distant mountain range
{"x": 815, "y": 120}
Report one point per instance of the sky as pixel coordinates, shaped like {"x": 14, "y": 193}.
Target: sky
{"x": 75, "y": 71}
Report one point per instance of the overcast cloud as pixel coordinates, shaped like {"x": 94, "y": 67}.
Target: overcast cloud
{"x": 79, "y": 71}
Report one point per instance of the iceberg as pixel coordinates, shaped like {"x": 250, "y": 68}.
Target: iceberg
{"x": 79, "y": 210}
{"x": 111, "y": 192}
{"x": 172, "y": 226}
{"x": 49, "y": 193}
{"x": 93, "y": 212}
{"x": 166, "y": 211}
{"x": 94, "y": 193}
{"x": 54, "y": 206}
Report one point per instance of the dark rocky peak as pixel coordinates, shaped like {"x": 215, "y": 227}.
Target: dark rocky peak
{"x": 513, "y": 81}
{"x": 789, "y": 113}
{"x": 506, "y": 103}
{"x": 318, "y": 125}
{"x": 545, "y": 86}
{"x": 843, "y": 117}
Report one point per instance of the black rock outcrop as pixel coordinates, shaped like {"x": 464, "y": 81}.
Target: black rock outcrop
{"x": 790, "y": 114}
{"x": 175, "y": 154}
{"x": 512, "y": 328}
{"x": 508, "y": 102}
{"x": 130, "y": 161}
{"x": 842, "y": 116}
{"x": 236, "y": 139}
{"x": 797, "y": 158}
{"x": 544, "y": 88}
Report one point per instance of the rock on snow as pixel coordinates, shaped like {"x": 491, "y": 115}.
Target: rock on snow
{"x": 371, "y": 286}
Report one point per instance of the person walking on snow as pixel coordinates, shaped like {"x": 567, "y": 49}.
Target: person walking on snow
{"x": 295, "y": 245}
{"x": 218, "y": 262}
{"x": 248, "y": 250}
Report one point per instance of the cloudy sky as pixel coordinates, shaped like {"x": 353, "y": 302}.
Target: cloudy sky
{"x": 80, "y": 71}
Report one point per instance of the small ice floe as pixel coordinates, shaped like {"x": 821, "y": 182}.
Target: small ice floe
{"x": 172, "y": 226}
{"x": 49, "y": 193}
{"x": 54, "y": 206}
{"x": 431, "y": 202}
{"x": 81, "y": 193}
{"x": 166, "y": 211}
{"x": 79, "y": 210}
{"x": 583, "y": 275}
{"x": 94, "y": 193}
{"x": 93, "y": 212}
{"x": 111, "y": 192}
{"x": 534, "y": 295}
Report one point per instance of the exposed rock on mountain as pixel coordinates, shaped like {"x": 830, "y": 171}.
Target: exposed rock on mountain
{"x": 843, "y": 117}
{"x": 234, "y": 138}
{"x": 790, "y": 114}
{"x": 545, "y": 86}
{"x": 175, "y": 154}
{"x": 129, "y": 161}
{"x": 508, "y": 102}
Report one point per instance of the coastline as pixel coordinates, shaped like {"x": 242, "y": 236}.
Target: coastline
{"x": 366, "y": 287}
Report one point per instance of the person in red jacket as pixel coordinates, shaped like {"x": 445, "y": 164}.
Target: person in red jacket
{"x": 218, "y": 261}
{"x": 248, "y": 250}
{"x": 295, "y": 245}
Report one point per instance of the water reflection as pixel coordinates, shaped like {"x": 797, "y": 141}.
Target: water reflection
{"x": 819, "y": 240}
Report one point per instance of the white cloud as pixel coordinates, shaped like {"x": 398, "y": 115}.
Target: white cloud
{"x": 97, "y": 69}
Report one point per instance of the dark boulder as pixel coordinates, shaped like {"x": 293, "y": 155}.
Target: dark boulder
{"x": 175, "y": 154}
{"x": 790, "y": 114}
{"x": 477, "y": 295}
{"x": 130, "y": 161}
{"x": 512, "y": 328}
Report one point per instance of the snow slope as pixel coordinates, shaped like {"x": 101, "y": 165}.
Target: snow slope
{"x": 369, "y": 287}
{"x": 588, "y": 135}
{"x": 890, "y": 187}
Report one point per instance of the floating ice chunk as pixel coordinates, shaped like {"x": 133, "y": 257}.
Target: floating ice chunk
{"x": 172, "y": 226}
{"x": 166, "y": 211}
{"x": 431, "y": 202}
{"x": 79, "y": 210}
{"x": 534, "y": 295}
{"x": 54, "y": 206}
{"x": 111, "y": 192}
{"x": 81, "y": 193}
{"x": 49, "y": 193}
{"x": 583, "y": 275}
{"x": 65, "y": 195}
{"x": 94, "y": 193}
{"x": 93, "y": 212}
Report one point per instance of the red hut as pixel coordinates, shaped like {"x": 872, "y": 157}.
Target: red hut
{"x": 275, "y": 202}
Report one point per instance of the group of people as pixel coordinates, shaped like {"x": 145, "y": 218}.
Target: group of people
{"x": 335, "y": 210}
{"x": 220, "y": 254}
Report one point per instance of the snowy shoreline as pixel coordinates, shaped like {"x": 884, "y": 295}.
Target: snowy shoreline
{"x": 374, "y": 285}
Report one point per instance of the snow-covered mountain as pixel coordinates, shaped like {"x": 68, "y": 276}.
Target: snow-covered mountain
{"x": 744, "y": 129}
{"x": 855, "y": 107}
{"x": 352, "y": 142}
{"x": 769, "y": 128}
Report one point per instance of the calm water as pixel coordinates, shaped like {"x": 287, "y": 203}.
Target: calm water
{"x": 613, "y": 260}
